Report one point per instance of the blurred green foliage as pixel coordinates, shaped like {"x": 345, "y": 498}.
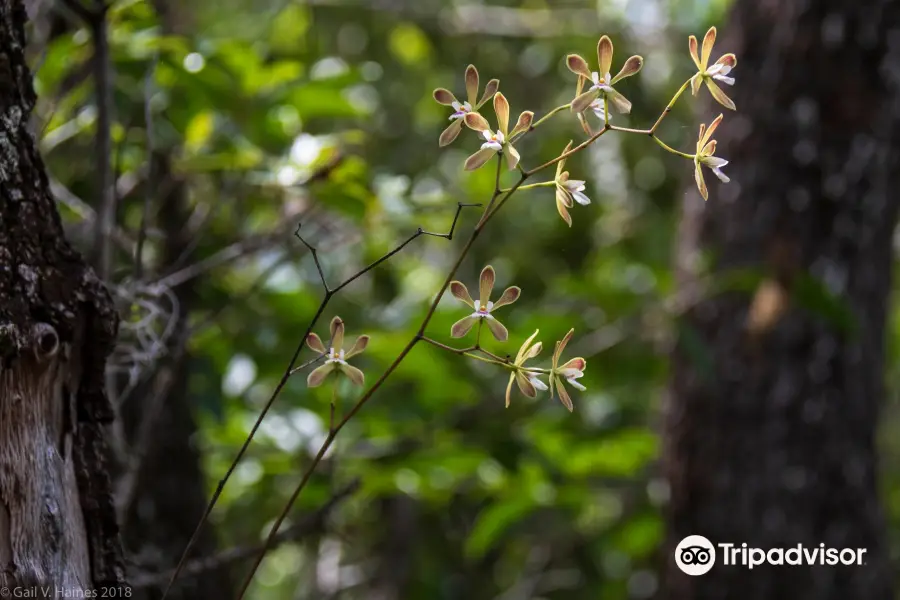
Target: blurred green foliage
{"x": 250, "y": 99}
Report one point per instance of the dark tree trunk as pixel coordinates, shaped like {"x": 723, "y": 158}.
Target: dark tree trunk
{"x": 57, "y": 326}
{"x": 776, "y": 390}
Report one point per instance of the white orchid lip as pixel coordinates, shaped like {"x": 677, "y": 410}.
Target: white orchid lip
{"x": 460, "y": 110}
{"x": 494, "y": 140}
{"x": 575, "y": 188}
{"x": 600, "y": 83}
{"x": 335, "y": 357}
{"x": 719, "y": 72}
{"x": 483, "y": 312}
{"x": 715, "y": 165}
{"x": 600, "y": 110}
{"x": 537, "y": 383}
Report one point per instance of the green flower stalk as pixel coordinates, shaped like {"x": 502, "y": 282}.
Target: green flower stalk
{"x": 461, "y": 109}
{"x": 336, "y": 357}
{"x": 483, "y": 307}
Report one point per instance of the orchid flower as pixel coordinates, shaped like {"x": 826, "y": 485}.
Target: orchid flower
{"x": 568, "y": 190}
{"x": 527, "y": 381}
{"x": 500, "y": 140}
{"x": 569, "y": 372}
{"x": 718, "y": 71}
{"x": 336, "y": 357}
{"x": 706, "y": 147}
{"x": 483, "y": 307}
{"x": 461, "y": 109}
{"x": 601, "y": 81}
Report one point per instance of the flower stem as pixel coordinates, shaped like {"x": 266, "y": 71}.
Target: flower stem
{"x": 565, "y": 155}
{"x": 548, "y": 115}
{"x": 672, "y": 150}
{"x": 532, "y": 185}
{"x": 438, "y": 344}
{"x": 669, "y": 106}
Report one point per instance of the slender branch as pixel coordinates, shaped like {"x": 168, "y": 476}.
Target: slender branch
{"x": 672, "y": 150}
{"x": 420, "y": 334}
{"x": 308, "y": 525}
{"x": 669, "y": 106}
{"x": 150, "y": 183}
{"x": 533, "y": 185}
{"x": 329, "y": 294}
{"x": 438, "y": 344}
{"x": 565, "y": 155}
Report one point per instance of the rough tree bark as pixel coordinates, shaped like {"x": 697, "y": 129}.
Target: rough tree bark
{"x": 770, "y": 425}
{"x": 57, "y": 326}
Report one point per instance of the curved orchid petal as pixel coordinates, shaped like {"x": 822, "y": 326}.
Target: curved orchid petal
{"x": 461, "y": 292}
{"x": 705, "y": 137}
{"x": 451, "y": 133}
{"x": 696, "y": 80}
{"x": 561, "y": 198}
{"x": 489, "y": 90}
{"x": 353, "y": 374}
{"x": 358, "y": 346}
{"x": 318, "y": 375}
{"x": 564, "y": 396}
{"x": 479, "y": 158}
{"x": 631, "y": 66}
{"x": 486, "y": 284}
{"x": 578, "y": 65}
{"x": 719, "y": 95}
{"x": 512, "y": 157}
{"x": 512, "y": 377}
{"x": 337, "y": 333}
{"x": 510, "y": 295}
{"x": 525, "y": 351}
{"x": 472, "y": 83}
{"x": 560, "y": 346}
{"x": 315, "y": 343}
{"x": 583, "y": 101}
{"x": 525, "y": 385}
{"x": 701, "y": 183}
{"x": 463, "y": 326}
{"x": 622, "y": 104}
{"x": 523, "y": 124}
{"x": 477, "y": 122}
{"x": 708, "y": 41}
{"x": 501, "y": 108}
{"x": 443, "y": 96}
{"x": 692, "y": 46}
{"x": 604, "y": 54}
{"x": 501, "y": 334}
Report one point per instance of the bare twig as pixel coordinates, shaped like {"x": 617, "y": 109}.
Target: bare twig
{"x": 149, "y": 184}
{"x": 329, "y": 293}
{"x": 310, "y": 524}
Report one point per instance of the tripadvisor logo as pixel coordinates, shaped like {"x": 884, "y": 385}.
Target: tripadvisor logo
{"x": 696, "y": 555}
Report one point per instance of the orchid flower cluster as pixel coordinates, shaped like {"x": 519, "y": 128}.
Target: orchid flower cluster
{"x": 526, "y": 378}
{"x": 595, "y": 90}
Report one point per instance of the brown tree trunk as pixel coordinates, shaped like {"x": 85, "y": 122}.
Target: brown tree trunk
{"x": 776, "y": 389}
{"x": 57, "y": 326}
